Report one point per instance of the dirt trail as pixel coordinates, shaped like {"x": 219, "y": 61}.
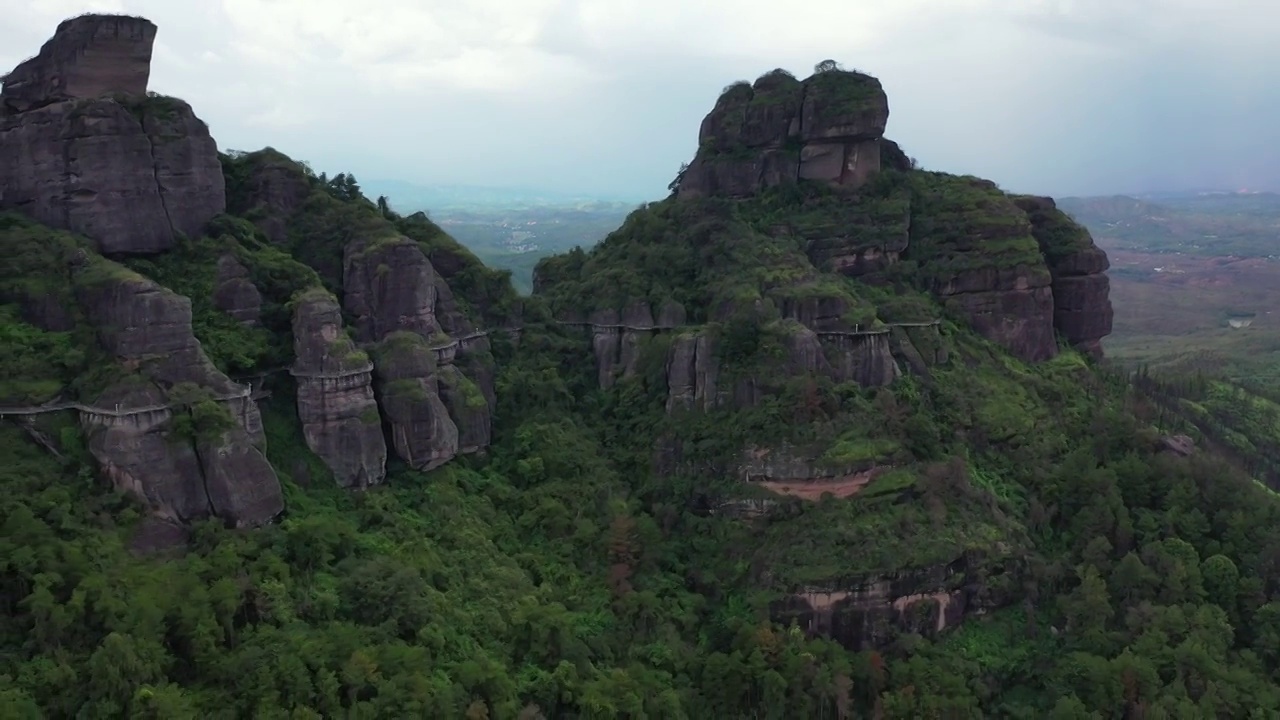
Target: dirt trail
{"x": 813, "y": 490}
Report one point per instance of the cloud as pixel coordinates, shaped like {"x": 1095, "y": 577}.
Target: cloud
{"x": 1058, "y": 96}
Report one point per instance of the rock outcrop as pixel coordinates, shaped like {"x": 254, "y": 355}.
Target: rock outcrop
{"x": 1082, "y": 310}
{"x": 275, "y": 189}
{"x": 336, "y": 405}
{"x": 978, "y": 255}
{"x": 235, "y": 294}
{"x": 88, "y": 57}
{"x": 818, "y": 341}
{"x": 84, "y": 148}
{"x": 1018, "y": 281}
{"x": 827, "y": 128}
{"x": 869, "y": 612}
{"x": 435, "y": 377}
{"x": 423, "y": 431}
{"x": 175, "y": 431}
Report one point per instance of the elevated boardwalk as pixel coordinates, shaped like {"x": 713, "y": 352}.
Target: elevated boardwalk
{"x": 99, "y": 413}
{"x": 855, "y": 332}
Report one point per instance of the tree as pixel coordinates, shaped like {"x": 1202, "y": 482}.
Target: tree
{"x": 675, "y": 184}
{"x": 826, "y": 66}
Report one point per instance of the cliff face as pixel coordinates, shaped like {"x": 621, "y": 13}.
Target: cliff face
{"x": 1006, "y": 265}
{"x": 1081, "y": 290}
{"x": 339, "y": 415}
{"x": 83, "y": 148}
{"x": 827, "y": 128}
{"x": 179, "y": 434}
{"x": 235, "y": 294}
{"x": 435, "y": 382}
{"x": 87, "y": 57}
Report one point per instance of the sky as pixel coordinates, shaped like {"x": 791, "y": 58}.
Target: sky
{"x": 604, "y": 97}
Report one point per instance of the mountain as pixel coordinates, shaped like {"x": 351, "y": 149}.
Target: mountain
{"x": 435, "y": 199}
{"x": 819, "y": 435}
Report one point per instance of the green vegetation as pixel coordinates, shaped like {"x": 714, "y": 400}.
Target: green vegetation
{"x": 604, "y": 558}
{"x": 964, "y": 225}
{"x": 192, "y": 270}
{"x": 850, "y": 92}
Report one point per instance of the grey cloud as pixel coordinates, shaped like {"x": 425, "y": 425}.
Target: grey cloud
{"x": 1062, "y": 97}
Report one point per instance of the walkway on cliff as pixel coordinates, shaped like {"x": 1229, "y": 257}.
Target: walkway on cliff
{"x": 249, "y": 392}
{"x": 857, "y": 331}
{"x": 117, "y": 411}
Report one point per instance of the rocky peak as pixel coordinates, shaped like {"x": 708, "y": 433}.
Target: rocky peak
{"x": 778, "y": 130}
{"x": 85, "y": 148}
{"x": 88, "y": 57}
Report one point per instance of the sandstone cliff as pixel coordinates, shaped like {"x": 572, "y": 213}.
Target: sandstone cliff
{"x": 435, "y": 375}
{"x": 1081, "y": 290}
{"x": 84, "y": 148}
{"x": 179, "y": 433}
{"x": 88, "y": 56}
{"x": 780, "y": 130}
{"x": 1008, "y": 266}
{"x": 235, "y": 294}
{"x": 339, "y": 415}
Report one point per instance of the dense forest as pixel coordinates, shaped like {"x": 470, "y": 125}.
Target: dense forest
{"x": 558, "y": 576}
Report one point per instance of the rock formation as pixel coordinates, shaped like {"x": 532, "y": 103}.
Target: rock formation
{"x": 1016, "y": 268}
{"x": 276, "y": 188}
{"x": 88, "y": 57}
{"x": 339, "y": 415}
{"x": 84, "y": 148}
{"x": 179, "y": 434}
{"x": 868, "y": 612}
{"x": 434, "y": 376}
{"x": 235, "y": 294}
{"x": 1082, "y": 310}
{"x": 827, "y": 128}
{"x": 819, "y": 342}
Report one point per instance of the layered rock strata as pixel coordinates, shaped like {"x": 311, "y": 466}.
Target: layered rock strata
{"x": 1082, "y": 310}
{"x": 336, "y": 404}
{"x": 173, "y": 430}
{"x": 827, "y": 128}
{"x": 435, "y": 376}
{"x": 84, "y": 148}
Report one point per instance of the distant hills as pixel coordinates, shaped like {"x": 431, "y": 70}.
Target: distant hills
{"x": 411, "y": 197}
{"x": 1207, "y": 223}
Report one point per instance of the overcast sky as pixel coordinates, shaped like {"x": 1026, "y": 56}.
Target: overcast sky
{"x": 1048, "y": 96}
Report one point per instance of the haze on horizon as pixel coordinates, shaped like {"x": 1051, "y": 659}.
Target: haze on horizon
{"x": 604, "y": 97}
